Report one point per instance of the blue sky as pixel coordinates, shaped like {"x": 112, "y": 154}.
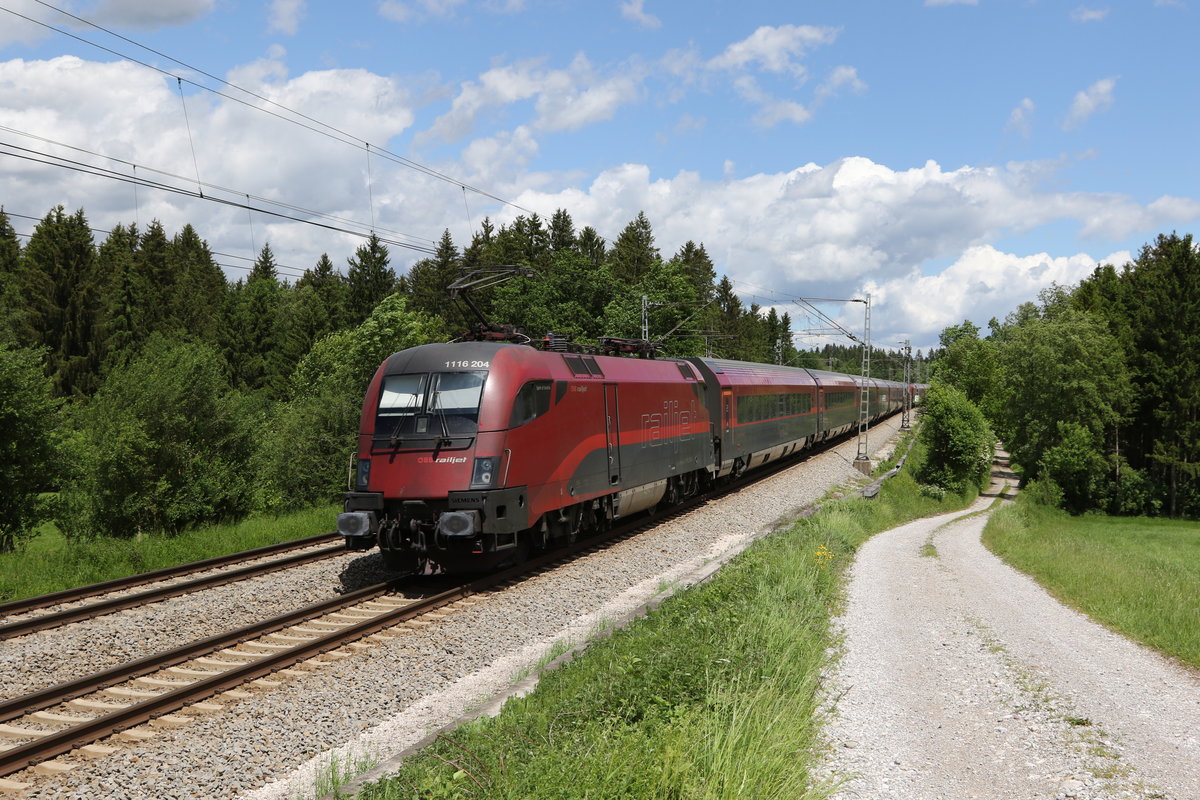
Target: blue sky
{"x": 950, "y": 158}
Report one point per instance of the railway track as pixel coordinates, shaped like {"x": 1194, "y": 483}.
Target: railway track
{"x": 91, "y": 610}
{"x": 119, "y": 702}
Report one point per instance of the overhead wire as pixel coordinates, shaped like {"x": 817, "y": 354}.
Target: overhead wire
{"x": 89, "y": 169}
{"x": 324, "y": 129}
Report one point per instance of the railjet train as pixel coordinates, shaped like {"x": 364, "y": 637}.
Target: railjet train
{"x": 473, "y": 455}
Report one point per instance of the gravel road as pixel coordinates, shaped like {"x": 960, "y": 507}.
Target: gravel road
{"x": 960, "y": 678}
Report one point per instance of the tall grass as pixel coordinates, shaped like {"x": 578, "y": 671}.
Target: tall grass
{"x": 712, "y": 696}
{"x": 1139, "y": 576}
{"x": 51, "y": 562}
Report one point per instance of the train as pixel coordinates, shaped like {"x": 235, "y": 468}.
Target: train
{"x": 474, "y": 455}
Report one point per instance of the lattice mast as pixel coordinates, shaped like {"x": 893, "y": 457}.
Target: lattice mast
{"x": 864, "y": 401}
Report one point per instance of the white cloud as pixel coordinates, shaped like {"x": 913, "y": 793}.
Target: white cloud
{"x": 1096, "y": 98}
{"x": 286, "y": 15}
{"x": 982, "y": 283}
{"x": 841, "y": 77}
{"x": 398, "y": 11}
{"x": 565, "y": 99}
{"x": 774, "y": 49}
{"x": 1019, "y": 119}
{"x": 635, "y": 11}
{"x": 1085, "y": 14}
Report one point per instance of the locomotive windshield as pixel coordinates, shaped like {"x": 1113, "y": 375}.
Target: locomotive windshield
{"x": 437, "y": 404}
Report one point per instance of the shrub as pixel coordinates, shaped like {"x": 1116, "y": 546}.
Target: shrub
{"x": 958, "y": 442}
{"x": 165, "y": 444}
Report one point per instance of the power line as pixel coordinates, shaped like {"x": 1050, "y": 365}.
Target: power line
{"x": 208, "y": 185}
{"x": 88, "y": 169}
{"x": 329, "y": 131}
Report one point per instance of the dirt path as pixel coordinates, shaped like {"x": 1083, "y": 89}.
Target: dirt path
{"x": 961, "y": 678}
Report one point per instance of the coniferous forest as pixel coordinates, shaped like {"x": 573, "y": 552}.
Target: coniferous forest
{"x": 142, "y": 390}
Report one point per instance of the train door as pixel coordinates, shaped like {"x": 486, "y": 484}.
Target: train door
{"x": 612, "y": 433}
{"x": 727, "y": 414}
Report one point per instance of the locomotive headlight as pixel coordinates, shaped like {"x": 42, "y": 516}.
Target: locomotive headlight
{"x": 483, "y": 476}
{"x": 362, "y": 475}
{"x": 355, "y": 523}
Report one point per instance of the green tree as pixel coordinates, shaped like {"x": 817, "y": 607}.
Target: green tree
{"x": 331, "y": 288}
{"x": 369, "y": 279}
{"x": 1061, "y": 373}
{"x": 121, "y": 304}
{"x": 198, "y": 288}
{"x": 699, "y": 268}
{"x": 633, "y": 253}
{"x": 163, "y": 445}
{"x": 10, "y": 260}
{"x": 429, "y": 277}
{"x": 958, "y": 442}
{"x": 968, "y": 363}
{"x": 56, "y": 299}
{"x": 311, "y": 436}
{"x": 27, "y": 444}
{"x": 592, "y": 246}
{"x": 562, "y": 232}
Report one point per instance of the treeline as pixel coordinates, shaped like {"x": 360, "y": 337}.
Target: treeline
{"x": 141, "y": 390}
{"x": 1095, "y": 389}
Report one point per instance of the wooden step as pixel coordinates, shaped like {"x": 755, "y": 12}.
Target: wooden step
{"x": 219, "y": 663}
{"x": 145, "y": 681}
{"x": 187, "y": 672}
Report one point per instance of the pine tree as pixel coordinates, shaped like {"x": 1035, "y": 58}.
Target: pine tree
{"x": 154, "y": 281}
{"x": 562, "y": 232}
{"x": 10, "y": 259}
{"x": 592, "y": 246}
{"x": 331, "y": 289}
{"x": 56, "y": 294}
{"x": 122, "y": 327}
{"x": 199, "y": 286}
{"x": 369, "y": 279}
{"x": 633, "y": 253}
{"x": 699, "y": 267}
{"x": 429, "y": 277}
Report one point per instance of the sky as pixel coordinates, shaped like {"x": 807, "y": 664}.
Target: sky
{"x": 950, "y": 158}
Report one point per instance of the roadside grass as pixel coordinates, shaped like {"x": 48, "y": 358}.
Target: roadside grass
{"x": 1137, "y": 575}
{"x": 50, "y": 562}
{"x": 712, "y": 695}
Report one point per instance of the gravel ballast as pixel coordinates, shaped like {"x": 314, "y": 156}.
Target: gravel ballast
{"x": 389, "y": 696}
{"x": 962, "y": 678}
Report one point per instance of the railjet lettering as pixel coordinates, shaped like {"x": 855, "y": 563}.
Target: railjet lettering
{"x": 672, "y": 421}
{"x": 443, "y": 460}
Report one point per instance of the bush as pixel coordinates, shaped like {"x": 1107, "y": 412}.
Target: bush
{"x": 309, "y": 439}
{"x": 164, "y": 445}
{"x": 958, "y": 442}
{"x": 27, "y": 444}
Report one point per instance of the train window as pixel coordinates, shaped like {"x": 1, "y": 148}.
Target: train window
{"x": 401, "y": 399}
{"x": 532, "y": 401}
{"x": 454, "y": 398}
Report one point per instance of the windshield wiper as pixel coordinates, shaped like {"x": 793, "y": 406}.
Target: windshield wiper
{"x": 441, "y": 415}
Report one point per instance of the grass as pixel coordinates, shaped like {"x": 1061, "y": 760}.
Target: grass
{"x": 1137, "y": 575}
{"x": 51, "y": 562}
{"x": 712, "y": 695}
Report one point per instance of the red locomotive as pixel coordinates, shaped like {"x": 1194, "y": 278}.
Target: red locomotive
{"x": 473, "y": 454}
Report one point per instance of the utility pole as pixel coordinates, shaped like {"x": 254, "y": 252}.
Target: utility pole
{"x": 645, "y": 319}
{"x": 864, "y": 404}
{"x": 904, "y": 417}
{"x": 778, "y": 351}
